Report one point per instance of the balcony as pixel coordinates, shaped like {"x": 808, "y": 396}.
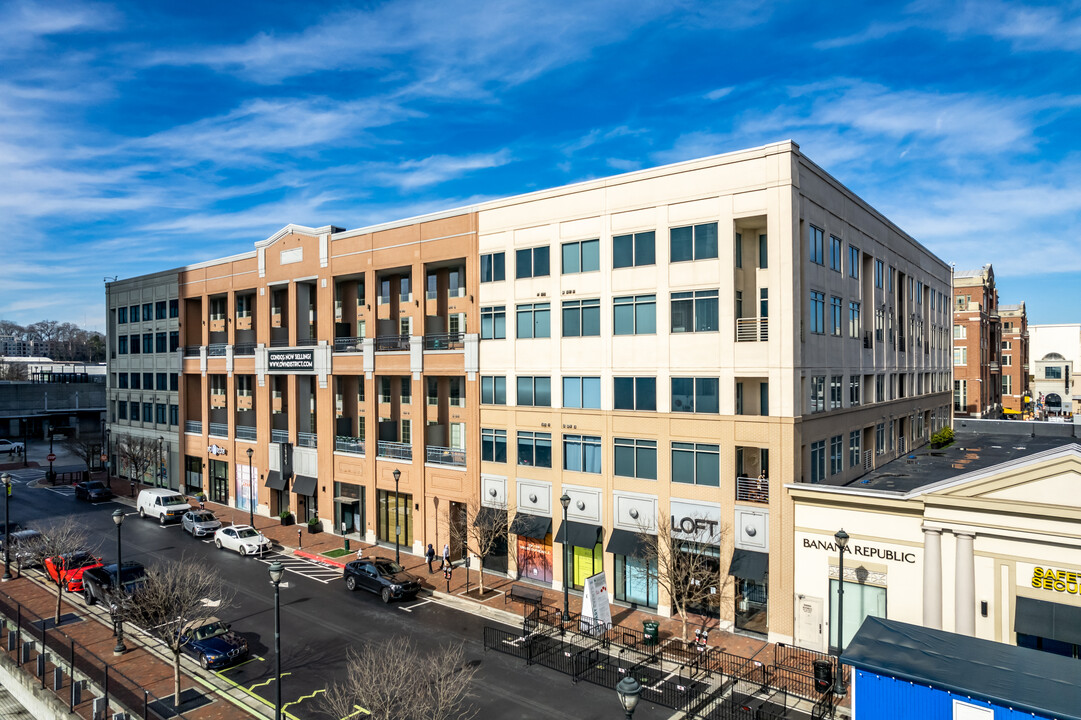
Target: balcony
{"x": 444, "y": 341}
{"x": 307, "y": 342}
{"x": 219, "y": 430}
{"x": 755, "y": 490}
{"x": 216, "y": 349}
{"x": 752, "y": 329}
{"x": 279, "y": 436}
{"x": 994, "y": 367}
{"x": 308, "y": 440}
{"x": 445, "y": 456}
{"x": 194, "y": 427}
{"x": 242, "y": 349}
{"x": 348, "y": 344}
{"x": 351, "y": 445}
{"x": 280, "y": 343}
{"x": 191, "y": 351}
{"x": 243, "y": 432}
{"x": 392, "y": 343}
{"x": 395, "y": 450}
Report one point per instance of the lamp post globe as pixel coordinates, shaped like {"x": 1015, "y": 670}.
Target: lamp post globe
{"x": 565, "y": 501}
{"x": 628, "y": 691}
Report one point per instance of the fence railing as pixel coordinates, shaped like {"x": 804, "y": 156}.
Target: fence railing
{"x": 308, "y": 440}
{"x": 193, "y": 426}
{"x": 752, "y": 329}
{"x": 279, "y": 436}
{"x": 243, "y": 349}
{"x": 346, "y": 444}
{"x": 216, "y": 349}
{"x": 445, "y": 456}
{"x": 754, "y": 490}
{"x": 391, "y": 343}
{"x": 444, "y": 341}
{"x": 218, "y": 430}
{"x": 348, "y": 344}
{"x": 191, "y": 351}
{"x": 394, "y": 450}
{"x": 243, "y": 432}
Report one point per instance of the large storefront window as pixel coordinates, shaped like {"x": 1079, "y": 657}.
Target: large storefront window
{"x": 535, "y": 558}
{"x": 387, "y": 519}
{"x": 584, "y": 552}
{"x": 219, "y": 482}
{"x": 636, "y": 581}
{"x": 750, "y": 573}
{"x": 587, "y": 563}
{"x": 193, "y": 475}
{"x": 348, "y": 508}
{"x": 860, "y": 602}
{"x": 710, "y": 607}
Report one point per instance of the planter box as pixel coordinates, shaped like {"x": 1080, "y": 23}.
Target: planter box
{"x": 317, "y": 528}
{"x": 288, "y": 521}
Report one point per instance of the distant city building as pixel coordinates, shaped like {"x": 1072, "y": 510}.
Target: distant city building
{"x": 11, "y": 345}
{"x": 977, "y": 344}
{"x": 1056, "y": 354}
{"x": 1015, "y": 359}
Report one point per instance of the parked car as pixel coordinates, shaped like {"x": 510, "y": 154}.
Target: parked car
{"x": 92, "y": 491}
{"x": 166, "y": 505}
{"x": 98, "y": 581}
{"x": 20, "y": 541}
{"x": 384, "y": 577}
{"x": 200, "y": 523}
{"x": 245, "y": 539}
{"x": 214, "y": 645}
{"x": 11, "y": 446}
{"x": 71, "y": 567}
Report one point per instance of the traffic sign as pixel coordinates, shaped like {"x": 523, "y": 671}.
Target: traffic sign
{"x": 50, "y": 457}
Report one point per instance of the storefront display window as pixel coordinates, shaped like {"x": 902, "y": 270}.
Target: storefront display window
{"x": 860, "y": 601}
{"x": 386, "y": 518}
{"x": 587, "y": 563}
{"x": 193, "y": 475}
{"x": 535, "y": 558}
{"x": 710, "y": 607}
{"x": 349, "y": 508}
{"x": 636, "y": 581}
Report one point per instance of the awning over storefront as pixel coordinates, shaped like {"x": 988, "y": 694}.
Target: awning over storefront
{"x": 531, "y": 526}
{"x": 627, "y": 543}
{"x": 749, "y": 565}
{"x": 304, "y": 485}
{"x": 581, "y": 535}
{"x": 345, "y": 500}
{"x": 489, "y": 517}
{"x": 1048, "y": 620}
{"x": 275, "y": 481}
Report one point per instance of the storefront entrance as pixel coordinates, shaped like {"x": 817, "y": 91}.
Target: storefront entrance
{"x": 348, "y": 508}
{"x": 534, "y": 549}
{"x": 392, "y": 513}
{"x": 860, "y": 601}
{"x": 750, "y": 572}
{"x": 219, "y": 482}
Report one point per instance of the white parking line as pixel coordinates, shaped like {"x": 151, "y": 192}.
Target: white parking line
{"x": 300, "y": 566}
{"x": 416, "y": 605}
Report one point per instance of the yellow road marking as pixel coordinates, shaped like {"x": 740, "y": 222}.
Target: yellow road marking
{"x": 238, "y": 665}
{"x": 267, "y": 682}
{"x": 358, "y": 712}
{"x": 303, "y": 698}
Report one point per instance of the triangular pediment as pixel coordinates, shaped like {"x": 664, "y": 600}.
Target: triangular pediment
{"x": 1047, "y": 478}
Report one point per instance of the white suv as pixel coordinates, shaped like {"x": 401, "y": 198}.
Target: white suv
{"x": 164, "y": 504}
{"x": 9, "y": 447}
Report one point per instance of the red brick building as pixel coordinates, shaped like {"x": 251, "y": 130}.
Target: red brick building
{"x": 1015, "y": 358}
{"x": 977, "y": 344}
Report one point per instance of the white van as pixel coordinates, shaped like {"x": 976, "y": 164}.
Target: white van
{"x": 164, "y": 504}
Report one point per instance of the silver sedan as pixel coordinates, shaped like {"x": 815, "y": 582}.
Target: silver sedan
{"x": 200, "y": 523}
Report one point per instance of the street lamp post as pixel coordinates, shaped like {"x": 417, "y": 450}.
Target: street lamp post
{"x": 276, "y": 571}
{"x": 251, "y": 492}
{"x": 118, "y": 519}
{"x": 6, "y": 479}
{"x": 628, "y": 691}
{"x": 565, "y": 501}
{"x": 161, "y": 462}
{"x": 108, "y": 460}
{"x": 52, "y": 475}
{"x": 842, "y": 544}
{"x": 26, "y": 433}
{"x": 397, "y": 519}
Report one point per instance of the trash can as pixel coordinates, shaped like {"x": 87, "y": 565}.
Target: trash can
{"x": 649, "y": 632}
{"x": 823, "y": 671}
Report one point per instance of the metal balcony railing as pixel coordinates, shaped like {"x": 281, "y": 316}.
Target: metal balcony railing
{"x": 307, "y": 342}
{"x": 191, "y": 351}
{"x": 752, "y": 329}
{"x": 445, "y": 456}
{"x": 193, "y": 426}
{"x": 346, "y": 444}
{"x": 218, "y": 430}
{"x": 280, "y": 343}
{"x": 444, "y": 341}
{"x": 242, "y": 349}
{"x": 308, "y": 440}
{"x": 279, "y": 436}
{"x": 216, "y": 349}
{"x": 754, "y": 490}
{"x": 391, "y": 343}
{"x": 243, "y": 432}
{"x": 348, "y": 344}
{"x": 394, "y": 450}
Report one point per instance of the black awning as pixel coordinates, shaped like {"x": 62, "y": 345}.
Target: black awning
{"x": 1048, "y": 620}
{"x": 749, "y": 565}
{"x": 581, "y": 535}
{"x": 489, "y": 517}
{"x": 275, "y": 481}
{"x": 625, "y": 542}
{"x": 304, "y": 485}
{"x": 531, "y": 526}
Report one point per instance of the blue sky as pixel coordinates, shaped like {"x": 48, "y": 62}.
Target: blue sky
{"x": 142, "y": 136}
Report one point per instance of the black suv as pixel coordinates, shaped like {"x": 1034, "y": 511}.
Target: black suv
{"x": 92, "y": 490}
{"x": 98, "y": 581}
{"x": 386, "y": 578}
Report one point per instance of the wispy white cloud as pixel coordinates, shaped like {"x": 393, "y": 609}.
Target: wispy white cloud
{"x": 24, "y": 24}
{"x": 413, "y": 174}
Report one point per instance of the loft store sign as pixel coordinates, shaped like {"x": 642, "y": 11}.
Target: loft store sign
{"x": 866, "y": 551}
{"x": 291, "y": 360}
{"x": 695, "y": 521}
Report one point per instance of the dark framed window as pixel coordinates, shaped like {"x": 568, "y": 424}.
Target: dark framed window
{"x": 695, "y": 395}
{"x": 818, "y": 312}
{"x": 159, "y": 310}
{"x": 837, "y": 456}
{"x": 634, "y": 315}
{"x": 535, "y": 449}
{"x": 836, "y": 313}
{"x": 634, "y": 250}
{"x": 174, "y": 381}
{"x": 174, "y": 340}
{"x": 133, "y": 313}
{"x": 693, "y": 242}
{"x": 219, "y": 482}
{"x": 818, "y": 461}
{"x": 493, "y": 267}
{"x": 134, "y": 410}
{"x": 493, "y": 390}
{"x": 696, "y": 464}
{"x": 534, "y": 320}
{"x": 853, "y": 261}
{"x": 531, "y": 262}
{"x": 695, "y": 311}
{"x": 836, "y": 251}
{"x": 534, "y": 391}
{"x": 636, "y": 458}
{"x": 148, "y": 312}
{"x": 174, "y": 415}
{"x": 122, "y": 345}
{"x": 122, "y": 315}
{"x": 815, "y": 250}
{"x": 137, "y": 381}
{"x": 160, "y": 410}
{"x": 135, "y": 345}
{"x": 582, "y": 453}
{"x": 635, "y": 393}
{"x": 148, "y": 381}
{"x": 122, "y": 410}
{"x": 174, "y": 308}
{"x": 160, "y": 342}
{"x": 581, "y": 318}
{"x": 122, "y": 381}
{"x": 582, "y": 256}
{"x": 493, "y": 322}
{"x": 582, "y": 392}
{"x": 148, "y": 411}
{"x": 493, "y": 445}
{"x": 148, "y": 343}
{"x": 161, "y": 381}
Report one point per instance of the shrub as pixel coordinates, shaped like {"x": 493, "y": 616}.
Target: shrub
{"x": 943, "y": 437}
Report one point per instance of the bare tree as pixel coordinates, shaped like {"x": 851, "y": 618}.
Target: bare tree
{"x": 13, "y": 371}
{"x": 140, "y": 454}
{"x": 682, "y": 568}
{"x": 85, "y": 447}
{"x": 176, "y": 598}
{"x": 68, "y": 545}
{"x": 395, "y": 681}
{"x": 485, "y": 530}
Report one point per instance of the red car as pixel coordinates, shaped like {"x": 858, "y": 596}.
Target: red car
{"x": 72, "y": 566}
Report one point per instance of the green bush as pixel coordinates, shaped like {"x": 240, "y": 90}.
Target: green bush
{"x": 943, "y": 437}
{"x": 285, "y": 515}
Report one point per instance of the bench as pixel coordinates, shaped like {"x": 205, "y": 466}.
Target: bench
{"x": 523, "y": 594}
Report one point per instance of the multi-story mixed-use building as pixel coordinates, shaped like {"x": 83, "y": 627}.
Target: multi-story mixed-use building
{"x": 676, "y": 343}
{"x": 1015, "y": 359}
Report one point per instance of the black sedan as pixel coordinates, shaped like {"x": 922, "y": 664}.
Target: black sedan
{"x": 386, "y": 578}
{"x": 92, "y": 491}
{"x": 97, "y": 582}
{"x": 214, "y": 645}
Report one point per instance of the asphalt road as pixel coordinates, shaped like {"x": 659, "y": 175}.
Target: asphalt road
{"x": 321, "y": 620}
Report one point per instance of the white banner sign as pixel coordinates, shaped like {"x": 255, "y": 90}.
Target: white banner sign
{"x": 596, "y": 610}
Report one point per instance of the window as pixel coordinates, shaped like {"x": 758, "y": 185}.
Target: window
{"x": 853, "y": 262}
{"x": 121, "y": 315}
{"x": 493, "y": 445}
{"x": 122, "y": 410}
{"x": 1007, "y": 384}
{"x": 853, "y": 390}
{"x": 534, "y": 320}
{"x": 174, "y": 415}
{"x": 635, "y": 315}
{"x": 174, "y": 340}
{"x": 535, "y": 449}
{"x": 836, "y": 251}
{"x": 835, "y": 391}
{"x": 880, "y": 438}
{"x": 634, "y": 250}
{"x": 493, "y": 267}
{"x": 148, "y": 343}
{"x": 1050, "y": 372}
{"x": 582, "y": 318}
{"x": 535, "y": 391}
{"x": 161, "y": 381}
{"x": 531, "y": 262}
{"x": 174, "y": 381}
{"x": 818, "y": 389}
{"x": 493, "y": 390}
{"x": 836, "y": 314}
{"x": 159, "y": 310}
{"x": 493, "y": 322}
{"x": 818, "y": 461}
{"x": 148, "y": 381}
{"x": 818, "y": 312}
{"x": 133, "y": 313}
{"x": 134, "y": 344}
{"x": 122, "y": 345}
{"x": 837, "y": 456}
{"x": 1007, "y": 345}
{"x": 695, "y": 311}
{"x": 880, "y": 324}
{"x": 691, "y": 394}
{"x": 122, "y": 381}
{"x": 960, "y": 356}
{"x": 1007, "y": 360}
{"x": 636, "y": 393}
{"x": 580, "y": 257}
{"x": 815, "y": 249}
{"x": 853, "y": 319}
{"x": 148, "y": 312}
{"x": 739, "y": 249}
{"x": 160, "y": 342}
{"x": 582, "y": 453}
{"x": 696, "y": 242}
{"x": 134, "y": 410}
{"x": 159, "y": 411}
{"x": 174, "y": 308}
{"x": 960, "y": 332}
{"x": 854, "y": 448}
{"x": 891, "y": 275}
{"x": 136, "y": 381}
{"x": 960, "y": 395}
{"x": 696, "y": 464}
{"x": 636, "y": 458}
{"x": 582, "y": 392}
{"x": 880, "y": 388}
{"x": 919, "y": 292}
{"x": 763, "y": 252}
{"x": 879, "y": 268}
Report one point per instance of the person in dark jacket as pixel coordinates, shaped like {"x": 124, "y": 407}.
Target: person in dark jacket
{"x": 429, "y": 555}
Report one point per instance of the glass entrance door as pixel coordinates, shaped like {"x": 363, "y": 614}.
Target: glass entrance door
{"x": 219, "y": 482}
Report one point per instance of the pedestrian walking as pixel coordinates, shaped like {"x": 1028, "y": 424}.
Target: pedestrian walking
{"x": 446, "y": 557}
{"x": 429, "y": 555}
{"x": 360, "y": 552}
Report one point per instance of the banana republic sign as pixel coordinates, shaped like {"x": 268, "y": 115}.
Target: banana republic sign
{"x": 291, "y": 360}
{"x": 864, "y": 551}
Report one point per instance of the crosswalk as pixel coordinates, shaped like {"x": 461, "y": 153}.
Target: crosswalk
{"x": 325, "y": 574}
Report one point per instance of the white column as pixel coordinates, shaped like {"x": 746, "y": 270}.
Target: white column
{"x": 965, "y": 589}
{"x": 932, "y": 578}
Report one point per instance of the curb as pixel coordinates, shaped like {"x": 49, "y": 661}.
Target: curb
{"x": 332, "y": 562}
